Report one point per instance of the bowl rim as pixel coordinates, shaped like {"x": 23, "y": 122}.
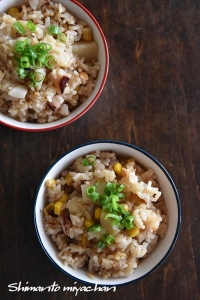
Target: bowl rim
{"x": 52, "y": 125}
{"x": 178, "y": 223}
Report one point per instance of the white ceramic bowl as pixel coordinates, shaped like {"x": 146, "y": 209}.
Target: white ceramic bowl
{"x": 82, "y": 13}
{"x": 165, "y": 245}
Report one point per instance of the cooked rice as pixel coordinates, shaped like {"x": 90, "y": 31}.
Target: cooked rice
{"x": 36, "y": 105}
{"x": 76, "y": 245}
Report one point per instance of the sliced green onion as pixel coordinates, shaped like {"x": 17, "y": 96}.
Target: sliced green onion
{"x": 109, "y": 239}
{"x": 40, "y": 47}
{"x": 101, "y": 244}
{"x": 110, "y": 203}
{"x": 49, "y": 61}
{"x": 105, "y": 239}
{"x": 42, "y": 58}
{"x": 127, "y": 222}
{"x": 19, "y": 27}
{"x": 30, "y": 57}
{"x": 91, "y": 192}
{"x": 61, "y": 37}
{"x": 114, "y": 188}
{"x": 89, "y": 161}
{"x": 31, "y": 26}
{"x": 95, "y": 228}
{"x": 53, "y": 29}
{"x": 24, "y": 62}
{"x": 37, "y": 63}
{"x": 38, "y": 76}
{"x": 113, "y": 216}
{"x": 22, "y": 73}
{"x": 20, "y": 45}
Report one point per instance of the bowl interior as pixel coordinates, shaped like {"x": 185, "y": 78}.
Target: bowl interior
{"x": 164, "y": 246}
{"x": 81, "y": 13}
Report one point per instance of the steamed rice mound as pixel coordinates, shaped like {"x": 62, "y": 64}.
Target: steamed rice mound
{"x": 68, "y": 228}
{"x": 45, "y": 102}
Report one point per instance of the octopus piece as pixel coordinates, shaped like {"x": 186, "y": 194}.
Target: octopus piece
{"x": 63, "y": 83}
{"x": 56, "y": 102}
{"x": 60, "y": 78}
{"x": 18, "y": 92}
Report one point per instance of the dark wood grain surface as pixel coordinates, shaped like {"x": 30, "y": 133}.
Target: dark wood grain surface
{"x": 151, "y": 99}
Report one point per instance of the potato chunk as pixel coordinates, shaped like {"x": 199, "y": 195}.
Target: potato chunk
{"x": 88, "y": 50}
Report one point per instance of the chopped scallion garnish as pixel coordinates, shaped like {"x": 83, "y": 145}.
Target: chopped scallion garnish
{"x": 61, "y": 37}
{"x": 91, "y": 191}
{"x": 95, "y": 228}
{"x": 110, "y": 203}
{"x": 22, "y": 73}
{"x": 89, "y": 161}
{"x": 54, "y": 29}
{"x": 30, "y": 57}
{"x": 24, "y": 62}
{"x": 31, "y": 26}
{"x": 19, "y": 27}
{"x": 113, "y": 216}
{"x": 105, "y": 239}
{"x": 101, "y": 244}
{"x": 49, "y": 61}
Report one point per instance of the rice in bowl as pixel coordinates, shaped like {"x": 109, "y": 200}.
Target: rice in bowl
{"x": 56, "y": 90}
{"x": 105, "y": 213}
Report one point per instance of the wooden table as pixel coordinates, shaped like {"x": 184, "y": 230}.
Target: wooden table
{"x": 152, "y": 100}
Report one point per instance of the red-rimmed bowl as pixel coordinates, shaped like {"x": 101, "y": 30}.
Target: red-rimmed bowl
{"x": 79, "y": 11}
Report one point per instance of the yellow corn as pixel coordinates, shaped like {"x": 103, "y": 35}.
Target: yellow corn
{"x": 97, "y": 213}
{"x": 87, "y": 34}
{"x": 13, "y": 12}
{"x": 64, "y": 198}
{"x": 58, "y": 208}
{"x": 89, "y": 223}
{"x": 133, "y": 232}
{"x": 125, "y": 206}
{"x": 117, "y": 168}
{"x": 84, "y": 241}
{"x": 69, "y": 179}
{"x": 49, "y": 209}
{"x": 50, "y": 183}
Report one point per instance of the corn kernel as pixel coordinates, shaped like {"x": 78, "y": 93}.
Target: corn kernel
{"x": 89, "y": 223}
{"x": 133, "y": 232}
{"x": 125, "y": 207}
{"x": 97, "y": 213}
{"x": 49, "y": 209}
{"x": 58, "y": 208}
{"x": 13, "y": 12}
{"x": 50, "y": 183}
{"x": 64, "y": 198}
{"x": 84, "y": 241}
{"x": 117, "y": 168}
{"x": 69, "y": 179}
{"x": 87, "y": 34}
